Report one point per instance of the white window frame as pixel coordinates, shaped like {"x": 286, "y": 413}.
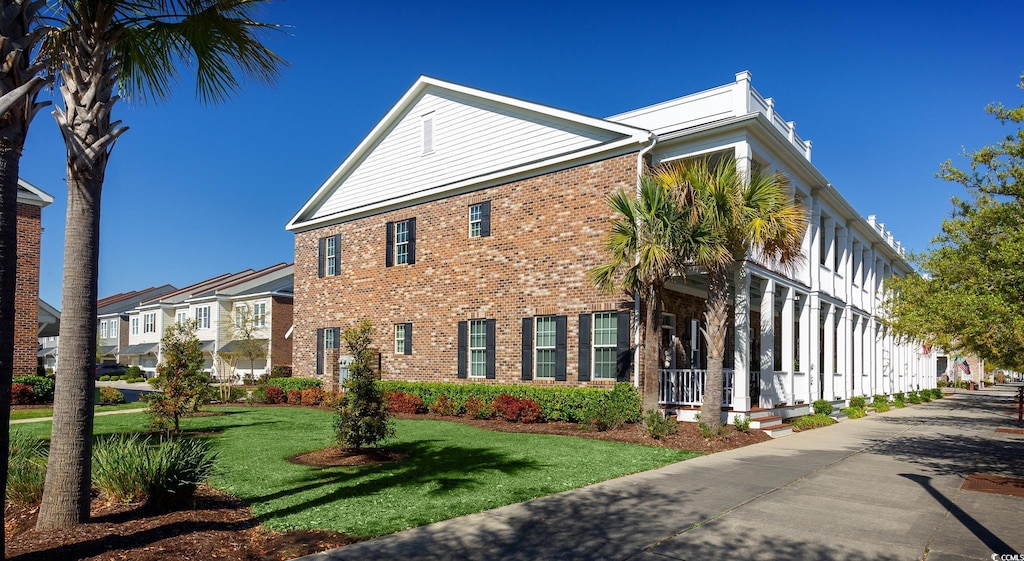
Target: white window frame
{"x": 181, "y": 317}
{"x": 239, "y": 312}
{"x": 135, "y": 325}
{"x": 259, "y": 314}
{"x": 202, "y": 316}
{"x": 546, "y": 349}
{"x": 602, "y": 348}
{"x": 149, "y": 322}
{"x": 329, "y": 342}
{"x": 402, "y": 245}
{"x": 330, "y": 257}
{"x": 103, "y": 329}
{"x": 399, "y": 338}
{"x": 476, "y": 224}
{"x": 477, "y": 358}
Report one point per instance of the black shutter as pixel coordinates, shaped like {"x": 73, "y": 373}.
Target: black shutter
{"x": 584, "y": 371}
{"x": 490, "y": 349}
{"x": 389, "y": 245}
{"x": 337, "y": 254}
{"x": 485, "y": 219}
{"x": 412, "y": 241}
{"x": 337, "y": 338}
{"x": 625, "y": 355}
{"x": 561, "y": 323}
{"x": 320, "y": 350}
{"x": 527, "y": 348}
{"x": 320, "y": 257}
{"x": 463, "y": 347}
{"x": 408, "y": 338}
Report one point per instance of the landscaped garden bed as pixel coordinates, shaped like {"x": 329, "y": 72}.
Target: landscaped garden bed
{"x": 444, "y": 469}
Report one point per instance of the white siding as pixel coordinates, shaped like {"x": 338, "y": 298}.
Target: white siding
{"x": 472, "y": 137}
{"x": 689, "y": 111}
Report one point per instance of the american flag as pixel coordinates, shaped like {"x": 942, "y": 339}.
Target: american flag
{"x": 964, "y": 367}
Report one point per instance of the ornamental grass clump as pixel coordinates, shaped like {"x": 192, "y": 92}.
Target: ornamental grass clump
{"x": 880, "y": 403}
{"x": 159, "y": 473}
{"x": 936, "y": 393}
{"x": 913, "y": 397}
{"x": 858, "y": 401}
{"x": 854, "y": 412}
{"x": 808, "y": 422}
{"x": 26, "y": 468}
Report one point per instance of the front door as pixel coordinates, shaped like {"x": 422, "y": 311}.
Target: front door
{"x": 668, "y": 341}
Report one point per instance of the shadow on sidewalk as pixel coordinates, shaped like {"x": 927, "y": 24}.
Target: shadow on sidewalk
{"x": 990, "y": 540}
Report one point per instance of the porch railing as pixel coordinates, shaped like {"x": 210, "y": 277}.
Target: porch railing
{"x": 686, "y": 386}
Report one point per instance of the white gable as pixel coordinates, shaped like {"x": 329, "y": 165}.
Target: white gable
{"x": 445, "y": 136}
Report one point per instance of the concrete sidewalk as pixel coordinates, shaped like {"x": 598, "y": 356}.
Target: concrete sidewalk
{"x": 99, "y": 414}
{"x": 886, "y": 487}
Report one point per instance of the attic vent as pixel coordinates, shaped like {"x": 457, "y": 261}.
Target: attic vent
{"x": 428, "y": 133}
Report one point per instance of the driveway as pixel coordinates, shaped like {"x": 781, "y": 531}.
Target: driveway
{"x": 882, "y": 488}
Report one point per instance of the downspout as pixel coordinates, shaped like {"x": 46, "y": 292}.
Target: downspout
{"x": 653, "y": 139}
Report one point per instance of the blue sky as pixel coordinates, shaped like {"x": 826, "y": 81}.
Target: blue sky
{"x": 886, "y": 91}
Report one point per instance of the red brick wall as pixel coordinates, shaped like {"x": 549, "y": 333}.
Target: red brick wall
{"x": 26, "y": 299}
{"x": 546, "y": 232}
{"x": 280, "y": 321}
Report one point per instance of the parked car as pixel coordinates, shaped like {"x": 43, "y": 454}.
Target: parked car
{"x": 110, "y": 370}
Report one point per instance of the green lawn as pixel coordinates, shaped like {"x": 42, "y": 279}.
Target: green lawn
{"x": 36, "y": 413}
{"x": 452, "y": 469}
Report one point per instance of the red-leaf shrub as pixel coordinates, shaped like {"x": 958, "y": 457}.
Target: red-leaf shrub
{"x": 21, "y": 394}
{"x": 445, "y": 406}
{"x": 294, "y": 397}
{"x": 529, "y": 411}
{"x": 312, "y": 397}
{"x": 516, "y": 410}
{"x": 477, "y": 408}
{"x": 275, "y": 395}
{"x": 401, "y": 402}
{"x": 331, "y": 399}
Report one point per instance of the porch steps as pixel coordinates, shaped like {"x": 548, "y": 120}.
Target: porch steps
{"x": 779, "y": 431}
{"x": 773, "y": 425}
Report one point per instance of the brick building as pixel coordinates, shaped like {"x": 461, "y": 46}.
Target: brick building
{"x": 31, "y": 201}
{"x": 464, "y": 224}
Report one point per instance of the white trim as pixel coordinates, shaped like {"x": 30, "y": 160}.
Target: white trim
{"x": 633, "y": 134}
{"x": 30, "y": 194}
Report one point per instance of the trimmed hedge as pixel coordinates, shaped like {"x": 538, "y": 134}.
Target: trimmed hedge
{"x": 557, "y": 403}
{"x": 42, "y": 387}
{"x": 289, "y": 384}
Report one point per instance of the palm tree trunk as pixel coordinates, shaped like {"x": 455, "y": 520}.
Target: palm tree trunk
{"x": 9, "y": 156}
{"x": 68, "y": 471}
{"x": 651, "y": 343}
{"x": 716, "y": 316}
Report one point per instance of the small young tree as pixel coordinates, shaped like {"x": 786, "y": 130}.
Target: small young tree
{"x": 362, "y": 417}
{"x": 249, "y": 335}
{"x": 181, "y": 379}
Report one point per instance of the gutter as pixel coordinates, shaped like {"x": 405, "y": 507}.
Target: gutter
{"x": 653, "y": 139}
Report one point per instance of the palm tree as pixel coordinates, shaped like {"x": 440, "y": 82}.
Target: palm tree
{"x": 19, "y": 86}
{"x": 644, "y": 244}
{"x": 742, "y": 216}
{"x": 100, "y": 50}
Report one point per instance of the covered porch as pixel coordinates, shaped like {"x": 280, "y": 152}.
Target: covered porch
{"x": 786, "y": 347}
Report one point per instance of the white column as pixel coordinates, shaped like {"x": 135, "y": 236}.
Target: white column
{"x": 858, "y": 356}
{"x": 875, "y": 353}
{"x": 828, "y": 366}
{"x": 843, "y": 289}
{"x": 805, "y": 349}
{"x": 788, "y": 341}
{"x": 814, "y": 251}
{"x": 828, "y": 238}
{"x": 744, "y": 156}
{"x": 741, "y": 324}
{"x": 814, "y": 367}
{"x": 741, "y": 99}
{"x": 846, "y": 350}
{"x": 768, "y": 345}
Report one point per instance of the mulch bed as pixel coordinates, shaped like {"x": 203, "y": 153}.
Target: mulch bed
{"x": 217, "y": 526}
{"x": 687, "y": 438}
{"x": 997, "y": 484}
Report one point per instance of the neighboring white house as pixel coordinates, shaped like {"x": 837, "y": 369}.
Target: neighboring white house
{"x": 265, "y": 294}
